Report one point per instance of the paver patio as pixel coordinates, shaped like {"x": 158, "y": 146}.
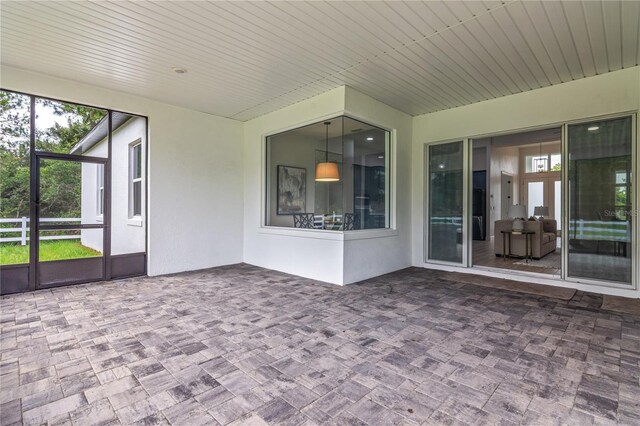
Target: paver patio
{"x": 246, "y": 345}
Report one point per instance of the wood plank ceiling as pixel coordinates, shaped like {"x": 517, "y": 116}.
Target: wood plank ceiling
{"x": 245, "y": 59}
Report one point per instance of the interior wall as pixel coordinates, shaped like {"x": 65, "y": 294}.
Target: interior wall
{"x": 600, "y": 95}
{"x": 503, "y": 160}
{"x": 480, "y": 158}
{"x": 290, "y": 151}
{"x": 195, "y": 180}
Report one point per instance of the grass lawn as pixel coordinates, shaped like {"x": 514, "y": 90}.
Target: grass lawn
{"x": 11, "y": 254}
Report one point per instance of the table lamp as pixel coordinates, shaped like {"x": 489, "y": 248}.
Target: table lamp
{"x": 541, "y": 211}
{"x": 517, "y": 213}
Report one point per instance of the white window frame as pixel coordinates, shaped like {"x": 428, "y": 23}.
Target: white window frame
{"x": 530, "y": 160}
{"x": 133, "y": 180}
{"x": 100, "y": 190}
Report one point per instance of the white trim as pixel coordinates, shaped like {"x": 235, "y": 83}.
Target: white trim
{"x": 467, "y": 193}
{"x": 135, "y": 221}
{"x": 635, "y": 157}
{"x": 427, "y": 186}
{"x": 564, "y": 218}
{"x": 635, "y": 265}
{"x": 322, "y": 234}
{"x": 132, "y": 180}
{"x": 100, "y": 169}
{"x": 319, "y": 234}
{"x": 367, "y": 234}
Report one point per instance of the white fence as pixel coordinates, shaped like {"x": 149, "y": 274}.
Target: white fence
{"x": 23, "y": 229}
{"x": 602, "y": 230}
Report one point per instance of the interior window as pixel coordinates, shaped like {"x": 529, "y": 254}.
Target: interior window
{"x": 330, "y": 175}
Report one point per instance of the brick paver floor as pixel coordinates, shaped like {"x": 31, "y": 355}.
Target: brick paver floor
{"x": 246, "y": 345}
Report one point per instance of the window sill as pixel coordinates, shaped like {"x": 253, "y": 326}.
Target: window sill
{"x": 322, "y": 234}
{"x": 135, "y": 221}
{"x": 370, "y": 233}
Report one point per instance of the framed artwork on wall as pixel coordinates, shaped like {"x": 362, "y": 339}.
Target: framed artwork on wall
{"x": 292, "y": 190}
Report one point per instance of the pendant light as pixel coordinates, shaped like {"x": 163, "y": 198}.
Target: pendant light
{"x": 540, "y": 163}
{"x": 327, "y": 171}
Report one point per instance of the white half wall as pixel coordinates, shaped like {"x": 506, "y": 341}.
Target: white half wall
{"x": 339, "y": 258}
{"x": 195, "y": 181}
{"x": 605, "y": 94}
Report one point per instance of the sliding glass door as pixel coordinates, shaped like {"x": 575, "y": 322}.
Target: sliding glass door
{"x": 446, "y": 228}
{"x": 587, "y": 186}
{"x": 600, "y": 200}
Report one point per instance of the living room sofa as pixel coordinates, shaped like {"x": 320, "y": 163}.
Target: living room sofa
{"x": 544, "y": 239}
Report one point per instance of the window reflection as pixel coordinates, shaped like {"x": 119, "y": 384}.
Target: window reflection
{"x": 600, "y": 200}
{"x": 445, "y": 202}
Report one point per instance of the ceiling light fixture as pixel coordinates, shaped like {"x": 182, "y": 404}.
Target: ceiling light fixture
{"x": 327, "y": 171}
{"x": 179, "y": 70}
{"x": 541, "y": 162}
{"x": 369, "y": 138}
{"x": 593, "y": 128}
{"x": 381, "y": 156}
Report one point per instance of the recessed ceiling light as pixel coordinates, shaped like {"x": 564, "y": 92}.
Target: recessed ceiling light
{"x": 179, "y": 70}
{"x": 441, "y": 165}
{"x": 380, "y": 156}
{"x": 593, "y": 128}
{"x": 369, "y": 138}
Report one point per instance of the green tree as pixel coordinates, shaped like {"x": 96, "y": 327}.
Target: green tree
{"x": 14, "y": 123}
{"x": 14, "y": 155}
{"x": 79, "y": 121}
{"x": 60, "y": 180}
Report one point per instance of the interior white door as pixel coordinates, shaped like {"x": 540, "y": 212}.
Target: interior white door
{"x": 543, "y": 191}
{"x": 506, "y": 194}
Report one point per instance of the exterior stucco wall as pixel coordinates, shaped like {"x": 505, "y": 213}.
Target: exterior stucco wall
{"x": 127, "y": 233}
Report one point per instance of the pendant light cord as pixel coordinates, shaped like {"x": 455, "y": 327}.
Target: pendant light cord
{"x": 326, "y": 151}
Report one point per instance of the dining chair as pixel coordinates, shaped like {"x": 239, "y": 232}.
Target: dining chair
{"x": 303, "y": 220}
{"x": 351, "y": 222}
